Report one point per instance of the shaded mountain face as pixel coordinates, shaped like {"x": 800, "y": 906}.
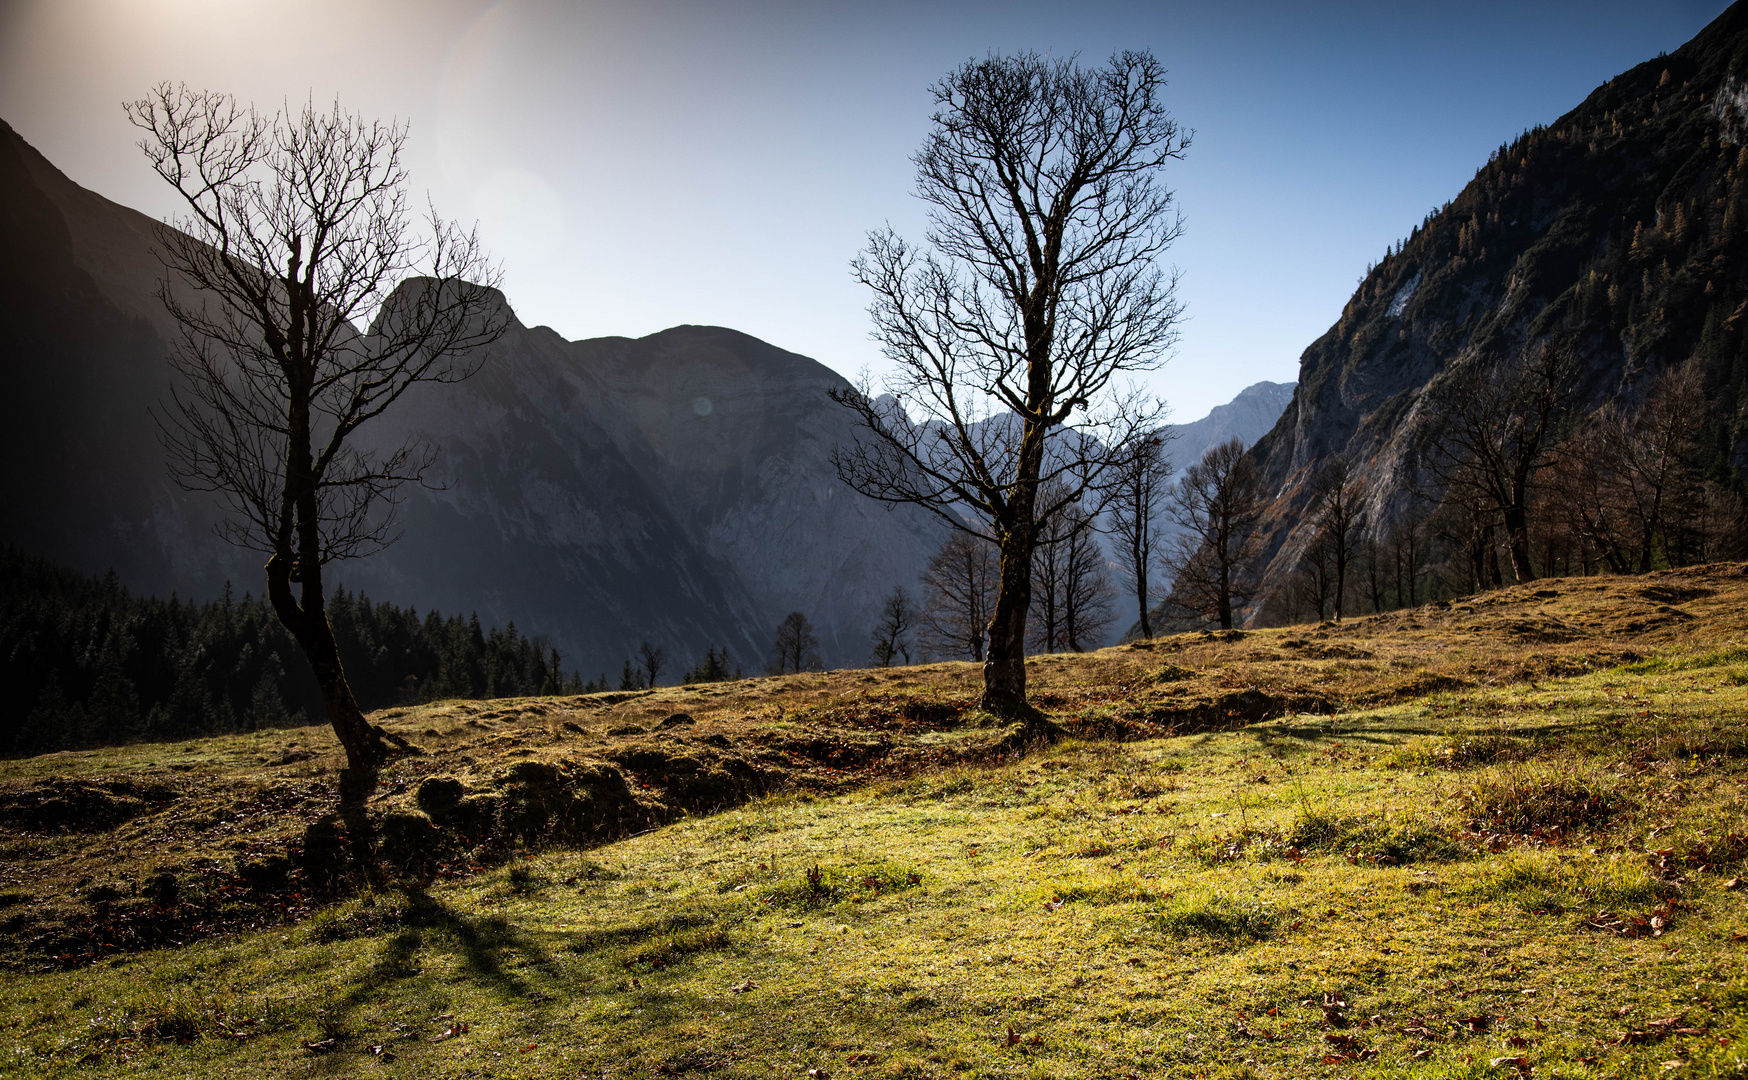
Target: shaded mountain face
{"x": 1619, "y": 233}
{"x": 675, "y": 488}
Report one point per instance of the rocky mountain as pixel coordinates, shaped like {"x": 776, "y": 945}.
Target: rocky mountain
{"x": 674, "y": 488}
{"x": 1618, "y": 232}
{"x": 1247, "y": 418}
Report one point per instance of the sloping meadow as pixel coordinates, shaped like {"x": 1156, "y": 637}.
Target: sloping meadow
{"x": 1504, "y": 837}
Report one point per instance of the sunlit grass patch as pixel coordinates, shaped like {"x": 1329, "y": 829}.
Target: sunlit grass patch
{"x": 1217, "y": 916}
{"x": 818, "y": 886}
{"x": 1557, "y": 882}
{"x": 1370, "y": 840}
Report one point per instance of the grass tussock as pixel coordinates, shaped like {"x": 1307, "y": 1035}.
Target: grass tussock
{"x": 1549, "y": 805}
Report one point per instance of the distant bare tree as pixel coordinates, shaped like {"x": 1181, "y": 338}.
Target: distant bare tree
{"x": 898, "y": 619}
{"x": 1404, "y": 547}
{"x": 297, "y": 231}
{"x": 1316, "y": 575}
{"x": 1336, "y": 515}
{"x": 958, "y": 590}
{"x": 1072, "y": 594}
{"x": 1499, "y": 426}
{"x": 1038, "y": 291}
{"x": 1217, "y": 504}
{"x": 797, "y": 646}
{"x": 1088, "y": 599}
{"x": 1137, "y": 498}
{"x": 651, "y": 658}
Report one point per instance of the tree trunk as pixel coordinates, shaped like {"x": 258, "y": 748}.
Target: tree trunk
{"x": 1004, "y": 670}
{"x": 1225, "y": 604}
{"x": 1518, "y": 544}
{"x": 308, "y": 624}
{"x": 1140, "y": 564}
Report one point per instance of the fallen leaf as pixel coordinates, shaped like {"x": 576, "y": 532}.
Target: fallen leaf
{"x": 743, "y": 986}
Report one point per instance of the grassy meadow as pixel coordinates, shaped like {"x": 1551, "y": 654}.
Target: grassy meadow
{"x": 1498, "y": 838}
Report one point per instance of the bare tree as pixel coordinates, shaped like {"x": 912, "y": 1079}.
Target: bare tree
{"x": 1405, "y": 559}
{"x": 797, "y": 646}
{"x": 1137, "y": 497}
{"x": 297, "y": 231}
{"x": 1088, "y": 600}
{"x": 1499, "y": 431}
{"x": 1336, "y": 510}
{"x": 958, "y": 591}
{"x": 1037, "y": 291}
{"x": 1650, "y": 454}
{"x": 651, "y": 659}
{"x": 1316, "y": 574}
{"x": 1072, "y": 594}
{"x": 892, "y": 636}
{"x": 1217, "y": 503}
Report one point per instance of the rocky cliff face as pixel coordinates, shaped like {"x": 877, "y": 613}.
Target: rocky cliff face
{"x": 675, "y": 488}
{"x": 1619, "y": 232}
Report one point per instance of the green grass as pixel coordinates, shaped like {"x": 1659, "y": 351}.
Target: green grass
{"x": 1412, "y": 891}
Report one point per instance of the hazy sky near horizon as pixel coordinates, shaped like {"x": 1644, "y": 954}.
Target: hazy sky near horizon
{"x": 636, "y": 165}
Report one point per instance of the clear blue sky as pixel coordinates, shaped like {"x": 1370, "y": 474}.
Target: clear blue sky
{"x": 645, "y": 163}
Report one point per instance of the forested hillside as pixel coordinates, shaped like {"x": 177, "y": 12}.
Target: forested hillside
{"x": 83, "y": 662}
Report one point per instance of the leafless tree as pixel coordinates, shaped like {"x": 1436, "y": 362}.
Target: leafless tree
{"x": 1072, "y": 594}
{"x": 1037, "y": 291}
{"x": 958, "y": 591}
{"x": 1088, "y": 599}
{"x": 892, "y": 636}
{"x": 296, "y": 232}
{"x": 1216, "y": 503}
{"x": 1405, "y": 559}
{"x": 1316, "y": 574}
{"x": 1337, "y": 517}
{"x": 797, "y": 646}
{"x": 651, "y": 658}
{"x": 1499, "y": 431}
{"x": 1650, "y": 453}
{"x": 1137, "y": 498}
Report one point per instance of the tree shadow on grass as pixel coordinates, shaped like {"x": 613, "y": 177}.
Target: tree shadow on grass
{"x": 485, "y": 945}
{"x": 1358, "y": 729}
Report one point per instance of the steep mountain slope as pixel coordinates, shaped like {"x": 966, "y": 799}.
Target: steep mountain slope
{"x": 675, "y": 488}
{"x": 1617, "y": 232}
